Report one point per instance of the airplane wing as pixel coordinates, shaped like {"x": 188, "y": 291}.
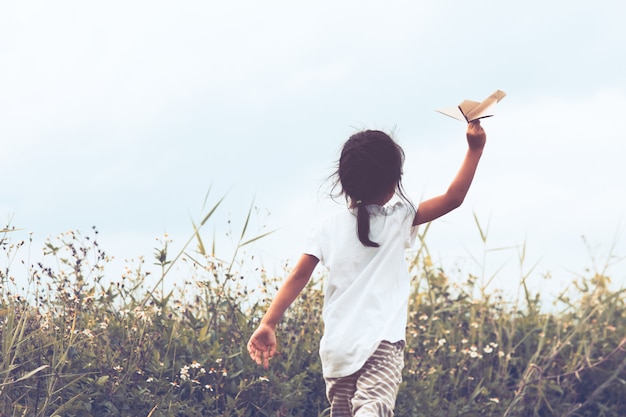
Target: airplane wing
{"x": 471, "y": 110}
{"x": 454, "y": 112}
{"x": 466, "y": 107}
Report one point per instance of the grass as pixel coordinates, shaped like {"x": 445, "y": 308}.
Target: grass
{"x": 77, "y": 343}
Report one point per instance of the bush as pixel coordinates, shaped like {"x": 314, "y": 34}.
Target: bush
{"x": 77, "y": 344}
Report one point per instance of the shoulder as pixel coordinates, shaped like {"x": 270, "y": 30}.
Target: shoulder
{"x": 398, "y": 208}
{"x": 332, "y": 221}
{"x": 335, "y": 216}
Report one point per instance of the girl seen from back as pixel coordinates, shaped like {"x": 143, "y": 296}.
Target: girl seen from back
{"x": 367, "y": 289}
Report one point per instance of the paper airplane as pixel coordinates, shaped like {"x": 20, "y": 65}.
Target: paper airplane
{"x": 470, "y": 110}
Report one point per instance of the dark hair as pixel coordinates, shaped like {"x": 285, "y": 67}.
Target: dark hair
{"x": 369, "y": 168}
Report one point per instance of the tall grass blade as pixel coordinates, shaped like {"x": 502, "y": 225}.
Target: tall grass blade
{"x": 254, "y": 239}
{"x": 182, "y": 251}
{"x": 25, "y": 376}
{"x": 201, "y": 248}
{"x": 483, "y": 232}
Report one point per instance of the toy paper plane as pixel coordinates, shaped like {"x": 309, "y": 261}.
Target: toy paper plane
{"x": 470, "y": 110}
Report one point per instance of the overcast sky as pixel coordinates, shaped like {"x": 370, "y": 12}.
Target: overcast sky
{"x": 124, "y": 114}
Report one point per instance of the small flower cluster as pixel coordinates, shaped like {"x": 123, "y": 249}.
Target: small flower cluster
{"x": 196, "y": 371}
{"x": 474, "y": 352}
{"x": 198, "y": 375}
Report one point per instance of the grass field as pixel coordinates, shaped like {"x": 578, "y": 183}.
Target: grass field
{"x": 77, "y": 343}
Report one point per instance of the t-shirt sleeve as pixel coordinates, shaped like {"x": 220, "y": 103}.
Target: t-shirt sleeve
{"x": 412, "y": 237}
{"x": 412, "y": 230}
{"x": 312, "y": 244}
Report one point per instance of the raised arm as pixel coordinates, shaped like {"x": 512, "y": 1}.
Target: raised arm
{"x": 262, "y": 343}
{"x": 436, "y": 207}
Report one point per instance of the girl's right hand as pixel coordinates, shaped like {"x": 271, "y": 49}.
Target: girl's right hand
{"x": 262, "y": 345}
{"x": 476, "y": 136}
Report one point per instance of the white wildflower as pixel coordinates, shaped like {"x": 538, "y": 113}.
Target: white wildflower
{"x": 184, "y": 373}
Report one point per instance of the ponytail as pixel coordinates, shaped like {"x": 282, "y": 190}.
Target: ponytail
{"x": 363, "y": 225}
{"x": 370, "y": 167}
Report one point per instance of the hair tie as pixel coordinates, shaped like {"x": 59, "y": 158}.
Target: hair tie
{"x": 359, "y": 202}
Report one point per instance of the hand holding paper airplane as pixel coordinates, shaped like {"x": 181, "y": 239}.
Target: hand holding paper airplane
{"x": 470, "y": 110}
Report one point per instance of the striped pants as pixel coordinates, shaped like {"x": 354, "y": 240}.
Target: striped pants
{"x": 372, "y": 390}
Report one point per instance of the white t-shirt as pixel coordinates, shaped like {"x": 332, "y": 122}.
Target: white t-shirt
{"x": 367, "y": 291}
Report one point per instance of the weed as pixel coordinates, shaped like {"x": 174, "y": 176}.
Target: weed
{"x": 75, "y": 343}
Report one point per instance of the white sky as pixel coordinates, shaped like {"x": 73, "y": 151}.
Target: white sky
{"x": 122, "y": 115}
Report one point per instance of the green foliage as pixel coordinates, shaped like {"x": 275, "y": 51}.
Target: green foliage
{"x": 74, "y": 343}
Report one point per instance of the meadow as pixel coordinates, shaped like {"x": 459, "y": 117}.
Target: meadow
{"x": 78, "y": 343}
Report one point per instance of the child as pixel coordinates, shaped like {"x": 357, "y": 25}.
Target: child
{"x": 368, "y": 286}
